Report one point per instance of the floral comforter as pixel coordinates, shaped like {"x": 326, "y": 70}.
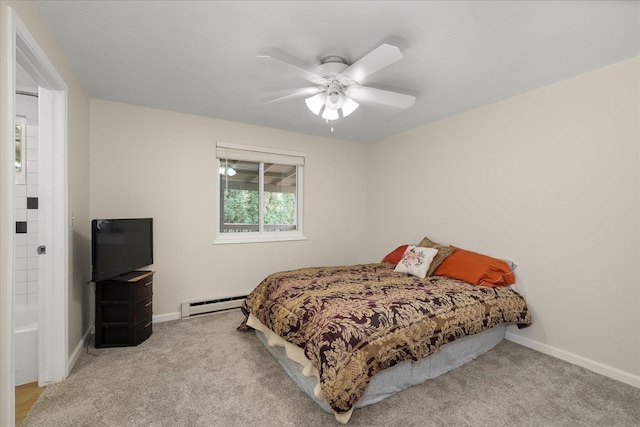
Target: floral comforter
{"x": 354, "y": 321}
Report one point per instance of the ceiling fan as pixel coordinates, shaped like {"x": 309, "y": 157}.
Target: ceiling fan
{"x": 336, "y": 90}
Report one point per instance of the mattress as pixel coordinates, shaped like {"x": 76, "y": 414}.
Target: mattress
{"x": 386, "y": 382}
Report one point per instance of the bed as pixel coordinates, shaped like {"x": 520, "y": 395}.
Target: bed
{"x": 353, "y": 335}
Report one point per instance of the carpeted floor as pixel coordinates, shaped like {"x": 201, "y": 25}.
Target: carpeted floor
{"x": 202, "y": 372}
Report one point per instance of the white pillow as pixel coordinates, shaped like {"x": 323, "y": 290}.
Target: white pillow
{"x": 416, "y": 261}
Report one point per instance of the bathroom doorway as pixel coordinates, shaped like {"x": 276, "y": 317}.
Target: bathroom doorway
{"x": 26, "y": 240}
{"x": 19, "y": 48}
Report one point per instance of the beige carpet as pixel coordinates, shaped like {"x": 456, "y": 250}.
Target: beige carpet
{"x": 202, "y": 372}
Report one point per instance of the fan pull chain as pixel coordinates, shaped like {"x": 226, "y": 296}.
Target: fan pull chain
{"x": 331, "y": 123}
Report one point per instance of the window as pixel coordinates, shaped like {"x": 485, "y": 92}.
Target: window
{"x": 259, "y": 193}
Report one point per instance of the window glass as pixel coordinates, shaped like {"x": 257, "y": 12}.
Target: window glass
{"x": 239, "y": 188}
{"x": 280, "y": 207}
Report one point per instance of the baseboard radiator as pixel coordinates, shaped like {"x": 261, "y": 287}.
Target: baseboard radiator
{"x": 195, "y": 308}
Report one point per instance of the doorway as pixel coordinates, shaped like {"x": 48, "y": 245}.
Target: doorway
{"x": 19, "y": 48}
{"x": 26, "y": 240}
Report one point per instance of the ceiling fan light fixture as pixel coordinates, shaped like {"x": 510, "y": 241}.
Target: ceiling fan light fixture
{"x": 315, "y": 103}
{"x": 349, "y": 106}
{"x": 334, "y": 100}
{"x": 228, "y": 171}
{"x": 329, "y": 114}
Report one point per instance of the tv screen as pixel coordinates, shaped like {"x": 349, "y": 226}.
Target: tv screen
{"x": 119, "y": 246}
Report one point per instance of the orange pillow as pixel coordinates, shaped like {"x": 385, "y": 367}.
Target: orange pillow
{"x": 476, "y": 269}
{"x": 396, "y": 255}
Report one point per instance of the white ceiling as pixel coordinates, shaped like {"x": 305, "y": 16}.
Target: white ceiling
{"x": 199, "y": 57}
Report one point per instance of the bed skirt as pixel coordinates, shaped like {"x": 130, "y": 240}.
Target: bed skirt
{"x": 387, "y": 382}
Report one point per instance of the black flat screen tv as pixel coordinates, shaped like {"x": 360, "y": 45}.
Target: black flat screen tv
{"x": 119, "y": 246}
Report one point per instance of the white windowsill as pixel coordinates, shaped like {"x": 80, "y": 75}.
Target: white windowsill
{"x": 257, "y": 239}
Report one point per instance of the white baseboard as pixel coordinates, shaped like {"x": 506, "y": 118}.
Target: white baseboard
{"x": 78, "y": 350}
{"x": 167, "y": 317}
{"x": 592, "y": 365}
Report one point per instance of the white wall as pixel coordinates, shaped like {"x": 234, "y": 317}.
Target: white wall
{"x": 154, "y": 163}
{"x": 548, "y": 179}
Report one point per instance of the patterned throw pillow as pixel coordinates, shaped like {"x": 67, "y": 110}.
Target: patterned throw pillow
{"x": 443, "y": 252}
{"x": 416, "y": 261}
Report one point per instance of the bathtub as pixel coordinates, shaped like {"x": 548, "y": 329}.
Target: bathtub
{"x": 26, "y": 344}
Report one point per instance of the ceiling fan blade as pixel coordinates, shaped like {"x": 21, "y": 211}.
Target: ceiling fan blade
{"x": 287, "y": 63}
{"x": 366, "y": 93}
{"x": 296, "y": 93}
{"x": 382, "y": 56}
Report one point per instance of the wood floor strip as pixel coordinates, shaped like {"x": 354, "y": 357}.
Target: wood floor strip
{"x": 26, "y": 396}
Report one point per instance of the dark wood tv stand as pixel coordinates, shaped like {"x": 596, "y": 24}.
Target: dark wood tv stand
{"x": 124, "y": 309}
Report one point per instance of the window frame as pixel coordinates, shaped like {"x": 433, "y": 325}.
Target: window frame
{"x": 260, "y": 155}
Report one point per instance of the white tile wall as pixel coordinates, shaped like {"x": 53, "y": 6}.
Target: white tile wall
{"x": 21, "y": 191}
{"x": 32, "y": 214}
{"x": 20, "y": 251}
{"x": 32, "y": 139}
{"x": 26, "y": 257}
{"x": 32, "y": 236}
{"x": 32, "y": 190}
{"x": 22, "y": 301}
{"x": 21, "y": 214}
{"x": 20, "y": 203}
{"x": 21, "y": 264}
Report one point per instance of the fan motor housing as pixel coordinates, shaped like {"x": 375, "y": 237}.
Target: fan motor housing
{"x": 333, "y": 67}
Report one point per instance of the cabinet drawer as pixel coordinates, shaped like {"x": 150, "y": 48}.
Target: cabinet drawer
{"x": 143, "y": 330}
{"x": 144, "y": 309}
{"x": 118, "y": 336}
{"x": 143, "y": 290}
{"x": 114, "y": 291}
{"x": 127, "y": 312}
